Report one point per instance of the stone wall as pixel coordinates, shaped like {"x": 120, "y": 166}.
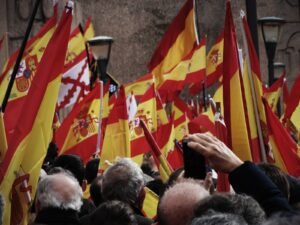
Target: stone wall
{"x": 138, "y": 25}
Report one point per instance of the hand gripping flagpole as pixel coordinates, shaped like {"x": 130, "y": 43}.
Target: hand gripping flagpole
{"x": 20, "y": 55}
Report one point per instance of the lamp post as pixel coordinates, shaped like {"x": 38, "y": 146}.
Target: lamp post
{"x": 100, "y": 47}
{"x": 279, "y": 69}
{"x": 270, "y": 27}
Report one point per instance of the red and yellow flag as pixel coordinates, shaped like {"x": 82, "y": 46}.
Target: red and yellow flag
{"x": 177, "y": 42}
{"x": 27, "y": 71}
{"x": 285, "y": 95}
{"x": 233, "y": 100}
{"x": 182, "y": 116}
{"x": 30, "y": 43}
{"x": 79, "y": 131}
{"x": 20, "y": 168}
{"x": 292, "y": 111}
{"x": 116, "y": 142}
{"x": 273, "y": 93}
{"x": 283, "y": 146}
{"x": 77, "y": 41}
{"x": 191, "y": 69}
{"x": 140, "y": 86}
{"x": 214, "y": 66}
{"x": 163, "y": 165}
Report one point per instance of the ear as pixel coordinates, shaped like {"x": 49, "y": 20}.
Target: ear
{"x": 141, "y": 198}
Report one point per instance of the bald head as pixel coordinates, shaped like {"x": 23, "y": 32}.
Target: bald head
{"x": 59, "y": 191}
{"x": 177, "y": 205}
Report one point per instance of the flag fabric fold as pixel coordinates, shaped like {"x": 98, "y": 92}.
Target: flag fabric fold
{"x": 233, "y": 99}
{"x": 33, "y": 128}
{"x": 79, "y": 131}
{"x": 177, "y": 42}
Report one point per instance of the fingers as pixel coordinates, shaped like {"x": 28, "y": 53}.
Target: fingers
{"x": 198, "y": 147}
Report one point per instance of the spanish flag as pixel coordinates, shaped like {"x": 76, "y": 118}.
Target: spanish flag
{"x": 182, "y": 116}
{"x": 191, "y": 69}
{"x": 116, "y": 141}
{"x": 20, "y": 169}
{"x": 146, "y": 111}
{"x": 27, "y": 71}
{"x": 30, "y": 43}
{"x": 178, "y": 41}
{"x": 292, "y": 111}
{"x": 79, "y": 131}
{"x": 233, "y": 100}
{"x": 214, "y": 66}
{"x": 77, "y": 41}
{"x": 140, "y": 86}
{"x": 273, "y": 93}
{"x": 283, "y": 146}
{"x": 163, "y": 165}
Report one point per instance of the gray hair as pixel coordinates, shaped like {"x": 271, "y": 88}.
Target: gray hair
{"x": 59, "y": 191}
{"x": 123, "y": 181}
{"x": 219, "y": 219}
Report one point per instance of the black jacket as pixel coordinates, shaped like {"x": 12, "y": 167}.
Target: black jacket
{"x": 55, "y": 216}
{"x": 249, "y": 179}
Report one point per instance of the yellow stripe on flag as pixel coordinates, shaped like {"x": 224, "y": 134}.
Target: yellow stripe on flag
{"x": 150, "y": 203}
{"x": 3, "y": 141}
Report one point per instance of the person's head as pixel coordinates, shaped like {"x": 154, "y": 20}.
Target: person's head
{"x": 60, "y": 191}
{"x": 217, "y": 218}
{"x": 52, "y": 153}
{"x": 73, "y": 163}
{"x": 177, "y": 205}
{"x": 282, "y": 219}
{"x": 241, "y": 205}
{"x": 113, "y": 213}
{"x": 175, "y": 176}
{"x": 95, "y": 191}
{"x": 124, "y": 181}
{"x": 278, "y": 177}
{"x": 91, "y": 170}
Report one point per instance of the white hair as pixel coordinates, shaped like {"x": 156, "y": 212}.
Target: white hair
{"x": 123, "y": 181}
{"x": 59, "y": 191}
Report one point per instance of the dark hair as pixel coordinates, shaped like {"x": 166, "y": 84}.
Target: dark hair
{"x": 52, "y": 153}
{"x": 278, "y": 177}
{"x": 113, "y": 213}
{"x": 95, "y": 191}
{"x": 283, "y": 219}
{"x": 242, "y": 205}
{"x": 91, "y": 170}
{"x": 73, "y": 163}
{"x": 174, "y": 176}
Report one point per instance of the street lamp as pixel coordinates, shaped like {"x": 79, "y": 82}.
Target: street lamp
{"x": 100, "y": 47}
{"x": 279, "y": 69}
{"x": 270, "y": 27}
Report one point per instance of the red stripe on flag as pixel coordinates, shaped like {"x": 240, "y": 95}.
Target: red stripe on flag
{"x": 172, "y": 33}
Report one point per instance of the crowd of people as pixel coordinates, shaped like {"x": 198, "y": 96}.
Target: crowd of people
{"x": 261, "y": 194}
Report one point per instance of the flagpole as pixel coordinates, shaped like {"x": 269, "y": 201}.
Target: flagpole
{"x": 254, "y": 97}
{"x": 98, "y": 146}
{"x": 20, "y": 55}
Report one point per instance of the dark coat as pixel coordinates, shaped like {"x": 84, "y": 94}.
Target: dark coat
{"x": 249, "y": 179}
{"x": 55, "y": 216}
